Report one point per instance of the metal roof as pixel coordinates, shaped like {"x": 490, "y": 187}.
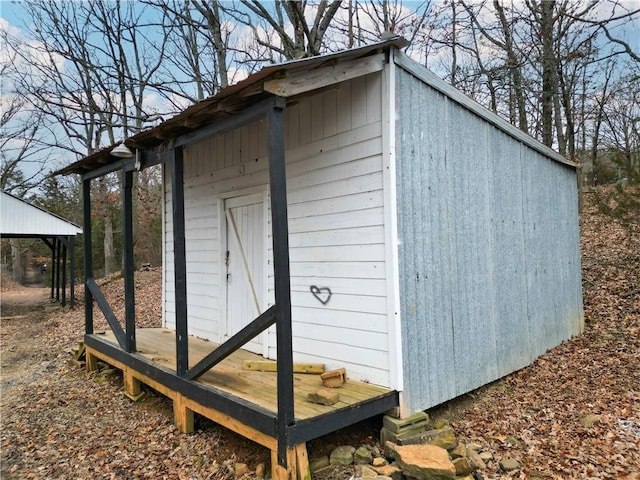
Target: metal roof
{"x": 20, "y": 219}
{"x": 227, "y": 102}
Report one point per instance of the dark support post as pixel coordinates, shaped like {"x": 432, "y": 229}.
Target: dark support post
{"x": 129, "y": 286}
{"x": 64, "y": 272}
{"x": 53, "y": 266}
{"x": 278, "y": 187}
{"x": 58, "y": 257}
{"x": 176, "y": 166}
{"x": 88, "y": 264}
{"x": 72, "y": 272}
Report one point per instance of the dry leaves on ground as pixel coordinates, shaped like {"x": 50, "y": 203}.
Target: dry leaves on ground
{"x": 575, "y": 413}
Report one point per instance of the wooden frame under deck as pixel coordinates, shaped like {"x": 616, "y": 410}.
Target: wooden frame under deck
{"x": 281, "y": 427}
{"x": 243, "y": 401}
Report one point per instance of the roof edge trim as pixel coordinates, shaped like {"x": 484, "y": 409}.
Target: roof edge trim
{"x": 403, "y": 61}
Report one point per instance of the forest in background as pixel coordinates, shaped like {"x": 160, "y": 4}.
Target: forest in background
{"x": 80, "y": 76}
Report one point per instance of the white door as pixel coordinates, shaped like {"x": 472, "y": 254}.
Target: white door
{"x": 245, "y": 259}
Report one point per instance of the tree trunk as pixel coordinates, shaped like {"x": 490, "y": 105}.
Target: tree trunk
{"x": 17, "y": 261}
{"x": 548, "y": 70}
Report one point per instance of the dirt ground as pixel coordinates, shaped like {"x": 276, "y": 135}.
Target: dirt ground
{"x": 58, "y": 422}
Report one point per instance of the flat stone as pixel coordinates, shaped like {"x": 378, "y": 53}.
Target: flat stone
{"x": 324, "y": 397}
{"x": 396, "y": 425}
{"x": 426, "y": 462}
{"x": 362, "y": 456}
{"x": 391, "y": 471}
{"x": 474, "y": 446}
{"x": 342, "y": 455}
{"x": 590, "y": 420}
{"x": 240, "y": 469}
{"x": 509, "y": 465}
{"x": 318, "y": 463}
{"x": 486, "y": 456}
{"x": 364, "y": 471}
{"x": 458, "y": 452}
{"x": 463, "y": 466}
{"x": 475, "y": 460}
{"x": 379, "y": 462}
{"x": 442, "y": 437}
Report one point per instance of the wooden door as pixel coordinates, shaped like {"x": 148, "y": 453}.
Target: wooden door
{"x": 245, "y": 264}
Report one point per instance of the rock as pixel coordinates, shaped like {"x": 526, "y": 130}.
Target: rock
{"x": 458, "y": 452}
{"x": 391, "y": 471}
{"x": 440, "y": 424}
{"x": 485, "y": 456}
{"x": 476, "y": 447}
{"x": 362, "y": 456}
{"x": 426, "y": 462}
{"x": 342, "y": 455}
{"x": 590, "y": 420}
{"x": 318, "y": 463}
{"x": 379, "y": 462}
{"x": 509, "y": 465}
{"x": 513, "y": 441}
{"x": 260, "y": 470}
{"x": 442, "y": 437}
{"x": 364, "y": 471}
{"x": 324, "y": 397}
{"x": 240, "y": 469}
{"x": 463, "y": 466}
{"x": 475, "y": 460}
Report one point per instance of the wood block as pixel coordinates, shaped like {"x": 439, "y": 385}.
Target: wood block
{"x": 334, "y": 378}
{"x": 183, "y": 416}
{"x": 324, "y": 397}
{"x": 282, "y": 473}
{"x": 270, "y": 366}
{"x": 302, "y": 462}
{"x": 92, "y": 362}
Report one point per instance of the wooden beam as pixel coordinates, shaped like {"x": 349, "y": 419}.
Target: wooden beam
{"x": 168, "y": 383}
{"x": 282, "y": 278}
{"x": 305, "y": 81}
{"x": 64, "y": 274}
{"x": 88, "y": 263}
{"x": 255, "y": 328}
{"x": 244, "y": 117}
{"x": 127, "y": 247}
{"x": 176, "y": 167}
{"x": 72, "y": 272}
{"x": 271, "y": 366}
{"x": 54, "y": 248}
{"x": 108, "y": 168}
{"x": 106, "y": 311}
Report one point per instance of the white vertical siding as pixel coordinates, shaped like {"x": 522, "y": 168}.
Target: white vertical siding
{"x": 336, "y": 226}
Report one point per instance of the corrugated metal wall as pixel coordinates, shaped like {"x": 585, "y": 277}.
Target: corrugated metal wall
{"x": 488, "y": 248}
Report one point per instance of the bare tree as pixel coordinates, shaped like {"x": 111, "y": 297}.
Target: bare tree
{"x": 294, "y": 36}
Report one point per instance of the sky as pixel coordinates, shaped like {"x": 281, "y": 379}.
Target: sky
{"x": 13, "y": 13}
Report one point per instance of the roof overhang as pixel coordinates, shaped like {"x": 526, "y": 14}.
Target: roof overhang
{"x": 286, "y": 80}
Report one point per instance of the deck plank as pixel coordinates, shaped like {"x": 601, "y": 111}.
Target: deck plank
{"x": 158, "y": 345}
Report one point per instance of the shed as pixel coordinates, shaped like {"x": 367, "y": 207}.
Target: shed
{"x": 20, "y": 219}
{"x": 351, "y": 210}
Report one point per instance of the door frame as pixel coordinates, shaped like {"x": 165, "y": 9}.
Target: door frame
{"x": 262, "y": 295}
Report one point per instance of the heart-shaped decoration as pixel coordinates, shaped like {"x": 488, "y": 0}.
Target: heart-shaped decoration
{"x": 323, "y": 294}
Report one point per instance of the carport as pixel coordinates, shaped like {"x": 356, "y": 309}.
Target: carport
{"x": 20, "y": 219}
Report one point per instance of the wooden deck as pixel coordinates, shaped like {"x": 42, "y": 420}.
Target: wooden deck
{"x": 158, "y": 345}
{"x": 244, "y": 401}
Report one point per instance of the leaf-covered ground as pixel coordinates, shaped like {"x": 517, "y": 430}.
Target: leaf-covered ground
{"x": 575, "y": 413}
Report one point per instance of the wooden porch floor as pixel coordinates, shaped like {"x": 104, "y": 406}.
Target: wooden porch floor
{"x": 158, "y": 346}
